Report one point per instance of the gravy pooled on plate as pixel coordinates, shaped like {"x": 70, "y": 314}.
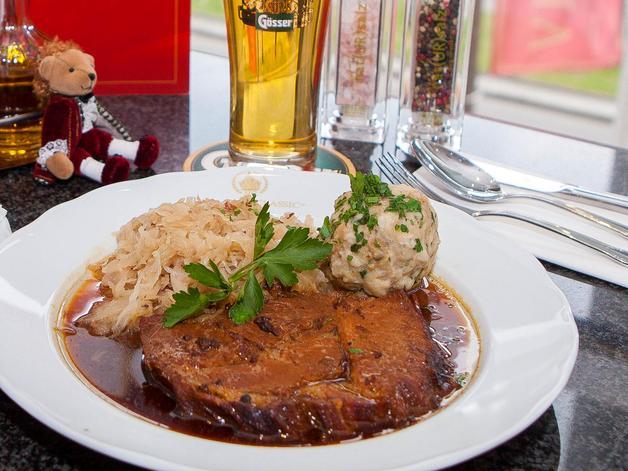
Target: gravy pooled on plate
{"x": 115, "y": 367}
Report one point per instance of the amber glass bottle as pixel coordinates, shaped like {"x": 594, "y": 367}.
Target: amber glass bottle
{"x": 20, "y": 113}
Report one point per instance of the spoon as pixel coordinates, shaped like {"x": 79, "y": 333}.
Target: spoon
{"x": 472, "y": 183}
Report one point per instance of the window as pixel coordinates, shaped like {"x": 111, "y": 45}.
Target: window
{"x": 587, "y": 101}
{"x": 208, "y": 27}
{"x": 572, "y": 81}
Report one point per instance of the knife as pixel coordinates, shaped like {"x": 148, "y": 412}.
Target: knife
{"x": 520, "y": 179}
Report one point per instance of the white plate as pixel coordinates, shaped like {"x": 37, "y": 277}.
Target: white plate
{"x": 529, "y": 338}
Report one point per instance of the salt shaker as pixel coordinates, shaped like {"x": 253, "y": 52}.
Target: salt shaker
{"x": 356, "y": 74}
{"x": 435, "y": 60}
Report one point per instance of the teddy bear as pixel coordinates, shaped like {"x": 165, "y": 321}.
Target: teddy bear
{"x": 79, "y": 136}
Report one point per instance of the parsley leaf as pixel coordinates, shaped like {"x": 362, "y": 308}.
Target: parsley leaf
{"x": 357, "y": 183}
{"x": 462, "y": 378}
{"x": 297, "y": 250}
{"x": 264, "y": 230}
{"x": 371, "y": 222}
{"x": 280, "y": 271}
{"x": 418, "y": 246}
{"x": 326, "y": 230}
{"x": 368, "y": 185}
{"x": 402, "y": 204}
{"x": 211, "y": 278}
{"x": 189, "y": 303}
{"x": 366, "y": 192}
{"x": 250, "y": 301}
{"x": 356, "y": 351}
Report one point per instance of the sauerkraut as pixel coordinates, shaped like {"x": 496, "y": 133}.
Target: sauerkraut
{"x": 139, "y": 277}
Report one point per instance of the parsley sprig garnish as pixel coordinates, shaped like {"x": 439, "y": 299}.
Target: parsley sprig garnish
{"x": 402, "y": 204}
{"x": 462, "y": 378}
{"x": 356, "y": 351}
{"x": 368, "y": 191}
{"x": 295, "y": 252}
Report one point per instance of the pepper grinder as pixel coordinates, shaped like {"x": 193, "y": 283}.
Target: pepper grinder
{"x": 434, "y": 69}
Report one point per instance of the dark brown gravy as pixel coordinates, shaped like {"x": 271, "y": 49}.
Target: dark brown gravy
{"x": 114, "y": 368}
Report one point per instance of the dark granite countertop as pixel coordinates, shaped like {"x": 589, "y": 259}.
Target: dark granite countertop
{"x": 587, "y": 426}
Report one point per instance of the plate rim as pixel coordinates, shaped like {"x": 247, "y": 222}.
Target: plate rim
{"x": 125, "y": 454}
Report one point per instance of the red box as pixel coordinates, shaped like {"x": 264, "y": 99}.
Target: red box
{"x": 140, "y": 46}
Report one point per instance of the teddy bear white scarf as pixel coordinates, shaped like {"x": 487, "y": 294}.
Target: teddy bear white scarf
{"x": 89, "y": 111}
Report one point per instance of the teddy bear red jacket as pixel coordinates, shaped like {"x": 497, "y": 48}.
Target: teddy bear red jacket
{"x": 62, "y": 120}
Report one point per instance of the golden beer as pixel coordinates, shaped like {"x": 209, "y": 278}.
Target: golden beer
{"x": 275, "y": 49}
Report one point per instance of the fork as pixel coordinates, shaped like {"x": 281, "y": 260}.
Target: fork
{"x": 397, "y": 173}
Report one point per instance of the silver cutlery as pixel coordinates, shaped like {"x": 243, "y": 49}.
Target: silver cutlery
{"x": 525, "y": 181}
{"x": 397, "y": 173}
{"x": 472, "y": 183}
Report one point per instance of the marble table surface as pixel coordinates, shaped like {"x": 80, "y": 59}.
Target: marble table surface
{"x": 587, "y": 426}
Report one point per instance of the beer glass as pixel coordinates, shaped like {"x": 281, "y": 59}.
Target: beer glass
{"x": 275, "y": 54}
